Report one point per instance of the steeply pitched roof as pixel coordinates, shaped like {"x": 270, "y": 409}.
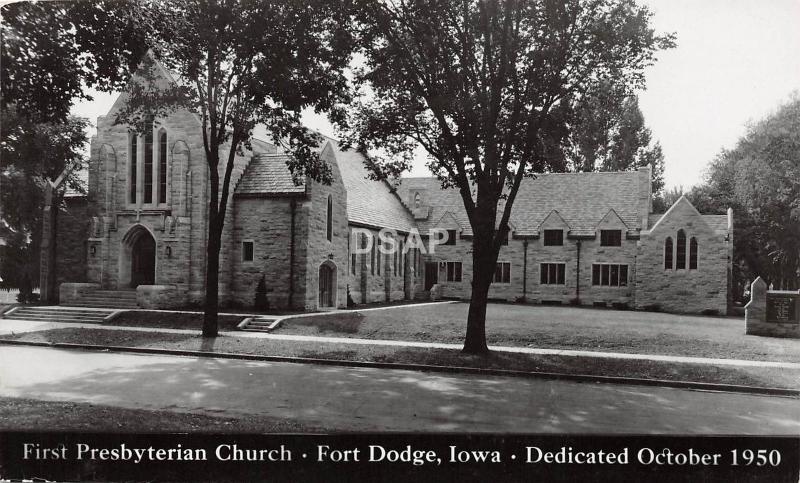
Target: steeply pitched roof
{"x": 581, "y": 199}
{"x": 268, "y": 174}
{"x": 369, "y": 202}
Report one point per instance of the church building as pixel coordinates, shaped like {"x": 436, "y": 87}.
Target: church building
{"x": 137, "y": 238}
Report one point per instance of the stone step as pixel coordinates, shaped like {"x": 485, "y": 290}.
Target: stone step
{"x": 67, "y": 315}
{"x": 128, "y": 294}
{"x": 51, "y": 314}
{"x": 112, "y": 304}
{"x": 58, "y": 310}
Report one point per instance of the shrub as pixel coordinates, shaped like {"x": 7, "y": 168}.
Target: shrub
{"x": 653, "y": 308}
{"x": 574, "y": 301}
{"x": 350, "y": 302}
{"x": 261, "y": 302}
{"x": 710, "y": 312}
{"x": 620, "y": 305}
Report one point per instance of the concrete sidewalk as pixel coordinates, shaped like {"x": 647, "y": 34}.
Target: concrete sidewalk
{"x": 8, "y": 326}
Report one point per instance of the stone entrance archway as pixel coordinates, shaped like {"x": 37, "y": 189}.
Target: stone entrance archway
{"x": 138, "y": 258}
{"x": 327, "y": 285}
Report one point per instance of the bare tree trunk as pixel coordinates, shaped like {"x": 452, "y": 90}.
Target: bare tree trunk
{"x": 475, "y": 340}
{"x": 210, "y": 326}
{"x": 484, "y": 259}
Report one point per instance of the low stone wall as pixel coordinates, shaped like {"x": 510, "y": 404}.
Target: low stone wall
{"x": 69, "y": 292}
{"x": 761, "y": 319}
{"x": 159, "y": 297}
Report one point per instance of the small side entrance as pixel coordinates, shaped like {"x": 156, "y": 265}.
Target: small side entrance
{"x": 327, "y": 285}
{"x": 431, "y": 274}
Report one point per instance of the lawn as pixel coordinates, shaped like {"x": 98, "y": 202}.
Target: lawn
{"x": 763, "y": 377}
{"x": 172, "y": 320}
{"x": 557, "y": 328}
{"x": 31, "y": 415}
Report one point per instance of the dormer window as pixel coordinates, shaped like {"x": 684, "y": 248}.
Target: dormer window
{"x": 417, "y": 200}
{"x": 610, "y": 238}
{"x": 553, "y": 238}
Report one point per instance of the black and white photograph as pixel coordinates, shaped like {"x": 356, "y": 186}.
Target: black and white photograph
{"x": 382, "y": 240}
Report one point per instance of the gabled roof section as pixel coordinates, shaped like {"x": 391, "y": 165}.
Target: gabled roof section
{"x": 268, "y": 175}
{"x": 610, "y": 216}
{"x": 449, "y": 215}
{"x": 683, "y": 202}
{"x": 369, "y": 202}
{"x": 581, "y": 200}
{"x": 553, "y": 216}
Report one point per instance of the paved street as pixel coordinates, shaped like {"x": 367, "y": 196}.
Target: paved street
{"x": 363, "y": 399}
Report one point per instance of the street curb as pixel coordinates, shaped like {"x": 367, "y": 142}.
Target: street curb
{"x": 700, "y": 386}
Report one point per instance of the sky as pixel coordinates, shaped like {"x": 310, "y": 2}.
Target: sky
{"x": 735, "y": 62}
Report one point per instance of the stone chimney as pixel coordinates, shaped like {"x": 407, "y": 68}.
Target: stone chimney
{"x": 645, "y": 194}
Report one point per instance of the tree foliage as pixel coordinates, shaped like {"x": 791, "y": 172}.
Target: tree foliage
{"x": 486, "y": 87}
{"x": 50, "y": 52}
{"x": 239, "y": 64}
{"x": 607, "y": 132}
{"x": 760, "y": 179}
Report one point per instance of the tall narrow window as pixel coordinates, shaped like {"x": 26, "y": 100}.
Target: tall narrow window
{"x": 372, "y": 256}
{"x": 162, "y": 167}
{"x": 329, "y": 229}
{"x": 134, "y": 161}
{"x": 148, "y": 162}
{"x": 680, "y": 251}
{"x": 693, "y": 253}
{"x": 378, "y": 256}
{"x": 668, "y": 253}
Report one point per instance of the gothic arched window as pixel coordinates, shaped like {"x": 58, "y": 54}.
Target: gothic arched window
{"x": 329, "y": 232}
{"x": 668, "y": 253}
{"x": 148, "y": 161}
{"x": 693, "y": 253}
{"x": 162, "y": 166}
{"x": 133, "y": 161}
{"x": 680, "y": 251}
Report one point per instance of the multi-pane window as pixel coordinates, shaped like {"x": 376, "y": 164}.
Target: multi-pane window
{"x": 502, "y": 272}
{"x": 693, "y": 253}
{"x": 552, "y": 273}
{"x": 353, "y": 263}
{"x": 553, "y": 238}
{"x": 680, "y": 251}
{"x": 162, "y": 167}
{"x": 610, "y": 274}
{"x": 453, "y": 270}
{"x": 610, "y": 238}
{"x": 451, "y": 237}
{"x": 668, "y": 253}
{"x": 248, "y": 251}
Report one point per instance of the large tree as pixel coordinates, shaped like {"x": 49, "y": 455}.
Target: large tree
{"x": 241, "y": 63}
{"x": 482, "y": 85}
{"x": 760, "y": 179}
{"x": 50, "y": 54}
{"x": 607, "y": 132}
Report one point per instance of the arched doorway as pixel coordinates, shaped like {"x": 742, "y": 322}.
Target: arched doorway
{"x": 327, "y": 285}
{"x": 138, "y": 264}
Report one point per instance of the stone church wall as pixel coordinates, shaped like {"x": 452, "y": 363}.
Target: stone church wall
{"x": 683, "y": 290}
